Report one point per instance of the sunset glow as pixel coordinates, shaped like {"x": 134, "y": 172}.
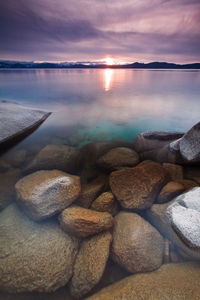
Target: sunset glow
{"x": 109, "y": 61}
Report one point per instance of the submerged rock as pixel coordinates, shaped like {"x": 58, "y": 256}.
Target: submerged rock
{"x": 184, "y": 218}
{"x": 170, "y": 191}
{"x": 7, "y": 183}
{"x": 137, "y": 246}
{"x": 17, "y": 121}
{"x": 106, "y": 203}
{"x": 45, "y": 193}
{"x": 62, "y": 157}
{"x": 90, "y": 263}
{"x": 33, "y": 256}
{"x": 137, "y": 188}
{"x": 171, "y": 281}
{"x": 83, "y": 222}
{"x": 175, "y": 171}
{"x": 117, "y": 158}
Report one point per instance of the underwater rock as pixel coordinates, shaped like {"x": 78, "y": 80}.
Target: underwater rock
{"x": 91, "y": 190}
{"x": 137, "y": 245}
{"x": 17, "y": 121}
{"x": 7, "y": 183}
{"x": 171, "y": 281}
{"x": 45, "y": 193}
{"x": 170, "y": 191}
{"x": 117, "y": 158}
{"x": 184, "y": 218}
{"x": 191, "y": 172}
{"x": 83, "y": 222}
{"x": 150, "y": 140}
{"x": 188, "y": 184}
{"x": 90, "y": 263}
{"x": 16, "y": 159}
{"x": 138, "y": 187}
{"x": 157, "y": 217}
{"x": 106, "y": 203}
{"x": 175, "y": 171}
{"x": 64, "y": 158}
{"x": 33, "y": 256}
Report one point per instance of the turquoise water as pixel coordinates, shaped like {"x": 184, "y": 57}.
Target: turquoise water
{"x": 90, "y": 105}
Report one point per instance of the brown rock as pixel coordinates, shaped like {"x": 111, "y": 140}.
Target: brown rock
{"x": 117, "y": 158}
{"x": 137, "y": 188}
{"x": 62, "y": 157}
{"x": 188, "y": 184}
{"x": 15, "y": 158}
{"x": 171, "y": 281}
{"x": 175, "y": 171}
{"x": 106, "y": 203}
{"x": 137, "y": 246}
{"x": 90, "y": 191}
{"x": 191, "y": 172}
{"x": 83, "y": 222}
{"x": 45, "y": 193}
{"x": 33, "y": 257}
{"x": 170, "y": 191}
{"x": 7, "y": 183}
{"x": 90, "y": 263}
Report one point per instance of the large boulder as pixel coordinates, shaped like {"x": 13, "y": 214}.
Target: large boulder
{"x": 137, "y": 188}
{"x": 61, "y": 157}
{"x": 106, "y": 203}
{"x": 150, "y": 140}
{"x": 137, "y": 246}
{"x": 83, "y": 222}
{"x": 33, "y": 256}
{"x": 171, "y": 281}
{"x": 7, "y": 186}
{"x": 90, "y": 263}
{"x": 45, "y": 193}
{"x": 117, "y": 158}
{"x": 184, "y": 217}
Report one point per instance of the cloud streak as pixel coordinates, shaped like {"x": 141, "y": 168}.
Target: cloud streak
{"x": 91, "y": 29}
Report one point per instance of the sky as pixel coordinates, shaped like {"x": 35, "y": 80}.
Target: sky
{"x": 91, "y": 30}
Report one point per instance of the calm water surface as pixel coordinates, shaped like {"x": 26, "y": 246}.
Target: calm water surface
{"x": 92, "y": 105}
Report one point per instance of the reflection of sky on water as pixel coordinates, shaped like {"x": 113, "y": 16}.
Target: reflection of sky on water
{"x": 105, "y": 103}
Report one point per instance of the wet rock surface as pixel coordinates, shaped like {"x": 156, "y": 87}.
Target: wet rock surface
{"x": 175, "y": 171}
{"x": 60, "y": 157}
{"x": 137, "y": 245}
{"x": 170, "y": 191}
{"x": 90, "y": 263}
{"x": 171, "y": 281}
{"x": 117, "y": 158}
{"x": 45, "y": 193}
{"x": 83, "y": 222}
{"x": 33, "y": 256}
{"x": 16, "y": 121}
{"x": 137, "y": 188}
{"x": 106, "y": 203}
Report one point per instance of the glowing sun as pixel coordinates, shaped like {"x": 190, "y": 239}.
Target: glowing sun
{"x": 109, "y": 61}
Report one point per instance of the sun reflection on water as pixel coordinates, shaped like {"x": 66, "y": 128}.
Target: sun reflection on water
{"x": 108, "y": 78}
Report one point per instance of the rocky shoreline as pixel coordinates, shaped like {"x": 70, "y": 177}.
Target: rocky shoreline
{"x": 70, "y": 217}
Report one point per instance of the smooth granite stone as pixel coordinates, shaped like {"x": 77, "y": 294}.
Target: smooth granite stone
{"x": 170, "y": 282}
{"x": 17, "y": 121}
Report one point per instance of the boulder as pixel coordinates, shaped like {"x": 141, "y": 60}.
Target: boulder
{"x": 118, "y": 158}
{"x": 64, "y": 158}
{"x": 175, "y": 171}
{"x": 7, "y": 183}
{"x": 138, "y": 187}
{"x": 137, "y": 246}
{"x": 106, "y": 203}
{"x": 33, "y": 256}
{"x": 184, "y": 218}
{"x": 91, "y": 190}
{"x": 83, "y": 222}
{"x": 150, "y": 140}
{"x": 46, "y": 193}
{"x": 157, "y": 217}
{"x": 170, "y": 191}
{"x": 188, "y": 184}
{"x": 17, "y": 121}
{"x": 16, "y": 158}
{"x": 171, "y": 281}
{"x": 90, "y": 263}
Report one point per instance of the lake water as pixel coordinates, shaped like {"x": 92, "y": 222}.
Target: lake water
{"x": 90, "y": 105}
{"x": 103, "y": 104}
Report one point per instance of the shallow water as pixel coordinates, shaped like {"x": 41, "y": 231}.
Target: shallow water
{"x": 90, "y": 105}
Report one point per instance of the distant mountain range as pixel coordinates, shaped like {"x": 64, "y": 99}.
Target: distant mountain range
{"x": 4, "y": 64}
